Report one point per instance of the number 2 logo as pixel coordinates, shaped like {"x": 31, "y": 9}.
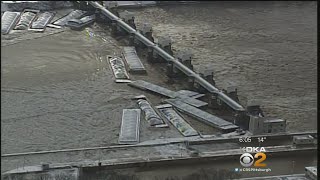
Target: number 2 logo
{"x": 258, "y": 162}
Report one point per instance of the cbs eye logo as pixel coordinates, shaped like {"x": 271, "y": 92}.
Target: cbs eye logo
{"x": 246, "y": 160}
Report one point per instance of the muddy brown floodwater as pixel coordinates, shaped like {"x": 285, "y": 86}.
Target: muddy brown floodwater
{"x": 58, "y": 91}
{"x": 268, "y": 50}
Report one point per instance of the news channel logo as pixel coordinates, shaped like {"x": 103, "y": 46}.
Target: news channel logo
{"x": 247, "y": 160}
{"x": 252, "y": 163}
{"x": 253, "y": 160}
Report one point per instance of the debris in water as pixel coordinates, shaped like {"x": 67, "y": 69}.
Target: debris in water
{"x": 26, "y": 19}
{"x": 150, "y": 114}
{"x": 203, "y": 116}
{"x": 118, "y": 68}
{"x": 78, "y": 24}
{"x": 54, "y": 26}
{"x": 133, "y": 61}
{"x": 89, "y": 33}
{"x": 166, "y": 92}
{"x": 176, "y": 120}
{"x": 41, "y": 22}
{"x": 8, "y": 20}
{"x": 129, "y": 133}
{"x": 72, "y": 15}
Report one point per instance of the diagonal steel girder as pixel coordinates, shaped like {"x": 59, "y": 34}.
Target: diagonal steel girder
{"x": 230, "y": 102}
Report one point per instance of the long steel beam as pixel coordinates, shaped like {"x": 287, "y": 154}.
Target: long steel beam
{"x": 230, "y": 102}
{"x": 192, "y": 140}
